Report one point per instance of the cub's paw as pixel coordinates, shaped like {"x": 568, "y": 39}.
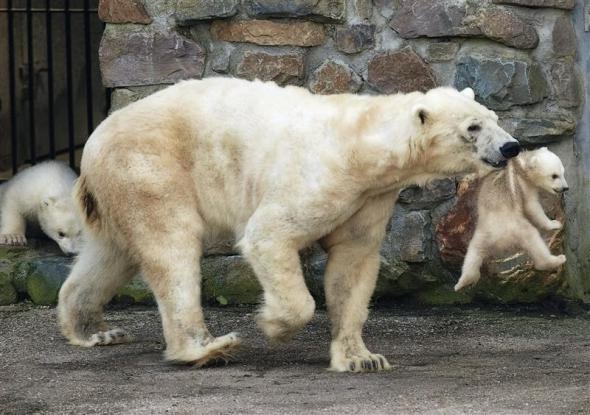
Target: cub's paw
{"x": 13, "y": 239}
{"x": 368, "y": 362}
{"x": 554, "y": 225}
{"x": 551, "y": 263}
{"x": 466, "y": 281}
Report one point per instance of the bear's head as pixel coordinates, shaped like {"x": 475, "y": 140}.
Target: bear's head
{"x": 59, "y": 220}
{"x": 459, "y": 135}
{"x": 544, "y": 170}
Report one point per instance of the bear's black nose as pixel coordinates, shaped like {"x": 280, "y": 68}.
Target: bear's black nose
{"x": 510, "y": 149}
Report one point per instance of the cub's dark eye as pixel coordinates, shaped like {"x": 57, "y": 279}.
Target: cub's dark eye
{"x": 555, "y": 176}
{"x": 474, "y": 128}
{"x": 61, "y": 234}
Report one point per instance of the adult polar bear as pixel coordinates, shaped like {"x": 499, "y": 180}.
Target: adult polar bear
{"x": 278, "y": 168}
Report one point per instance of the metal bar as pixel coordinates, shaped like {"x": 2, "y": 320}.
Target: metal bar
{"x": 31, "y": 85}
{"x": 12, "y": 88}
{"x": 35, "y": 10}
{"x": 88, "y": 66}
{"x": 69, "y": 82}
{"x": 49, "y": 39}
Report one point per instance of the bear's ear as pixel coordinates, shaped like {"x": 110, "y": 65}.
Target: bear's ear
{"x": 420, "y": 113}
{"x": 468, "y": 92}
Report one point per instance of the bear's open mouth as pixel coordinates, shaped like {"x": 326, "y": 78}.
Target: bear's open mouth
{"x": 496, "y": 164}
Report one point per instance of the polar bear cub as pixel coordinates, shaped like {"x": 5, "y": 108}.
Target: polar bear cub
{"x": 41, "y": 195}
{"x": 510, "y": 214}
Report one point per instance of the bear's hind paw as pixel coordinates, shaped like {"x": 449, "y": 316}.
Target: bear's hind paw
{"x": 109, "y": 337}
{"x": 13, "y": 239}
{"x": 220, "y": 349}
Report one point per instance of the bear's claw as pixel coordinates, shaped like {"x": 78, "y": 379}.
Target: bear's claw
{"x": 13, "y": 239}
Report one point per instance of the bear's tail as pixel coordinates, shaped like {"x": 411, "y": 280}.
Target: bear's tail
{"x": 86, "y": 203}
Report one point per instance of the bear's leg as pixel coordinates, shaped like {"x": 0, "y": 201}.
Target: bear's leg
{"x": 470, "y": 272}
{"x": 288, "y": 305}
{"x": 531, "y": 241}
{"x": 12, "y": 229}
{"x": 351, "y": 275}
{"x": 100, "y": 270}
{"x": 170, "y": 264}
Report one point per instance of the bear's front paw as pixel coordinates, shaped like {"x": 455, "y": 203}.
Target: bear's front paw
{"x": 554, "y": 225}
{"x": 13, "y": 239}
{"x": 365, "y": 362}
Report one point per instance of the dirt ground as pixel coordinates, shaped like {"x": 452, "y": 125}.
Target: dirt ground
{"x": 448, "y": 361}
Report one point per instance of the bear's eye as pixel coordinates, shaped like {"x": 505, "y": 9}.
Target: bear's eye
{"x": 61, "y": 234}
{"x": 474, "y": 128}
{"x": 555, "y": 176}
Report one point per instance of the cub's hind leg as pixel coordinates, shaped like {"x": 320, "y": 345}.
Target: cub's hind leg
{"x": 476, "y": 251}
{"x": 532, "y": 242}
{"x": 99, "y": 271}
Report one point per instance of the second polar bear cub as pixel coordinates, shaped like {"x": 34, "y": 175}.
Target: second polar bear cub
{"x": 510, "y": 214}
{"x": 41, "y": 195}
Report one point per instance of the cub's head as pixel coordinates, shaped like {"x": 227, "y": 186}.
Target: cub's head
{"x": 545, "y": 170}
{"x": 460, "y": 135}
{"x": 59, "y": 220}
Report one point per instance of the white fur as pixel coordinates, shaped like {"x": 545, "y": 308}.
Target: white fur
{"x": 509, "y": 213}
{"x": 277, "y": 168}
{"x": 42, "y": 195}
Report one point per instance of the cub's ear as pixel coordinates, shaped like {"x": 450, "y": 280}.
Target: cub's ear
{"x": 468, "y": 92}
{"x": 420, "y": 114}
{"x": 532, "y": 162}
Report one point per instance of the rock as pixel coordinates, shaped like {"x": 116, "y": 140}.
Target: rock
{"x": 285, "y": 68}
{"x": 220, "y": 59}
{"x": 501, "y": 83}
{"x": 122, "y": 97}
{"x": 400, "y": 71}
{"x": 322, "y": 10}
{"x": 558, "y": 4}
{"x": 566, "y": 83}
{"x": 505, "y": 27}
{"x": 386, "y": 8}
{"x": 8, "y": 294}
{"x": 416, "y": 18}
{"x": 268, "y": 32}
{"x": 334, "y": 78}
{"x": 407, "y": 235}
{"x": 229, "y": 280}
{"x": 46, "y": 278}
{"x": 123, "y": 11}
{"x": 442, "y": 295}
{"x": 542, "y": 130}
{"x": 362, "y": 9}
{"x": 442, "y": 51}
{"x": 563, "y": 37}
{"x": 135, "y": 292}
{"x": 455, "y": 229}
{"x": 188, "y": 11}
{"x": 429, "y": 195}
{"x": 133, "y": 56}
{"x": 355, "y": 38}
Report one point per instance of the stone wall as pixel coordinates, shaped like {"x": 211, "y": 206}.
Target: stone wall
{"x": 518, "y": 55}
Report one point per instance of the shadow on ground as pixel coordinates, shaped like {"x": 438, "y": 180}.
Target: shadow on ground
{"x": 448, "y": 361}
